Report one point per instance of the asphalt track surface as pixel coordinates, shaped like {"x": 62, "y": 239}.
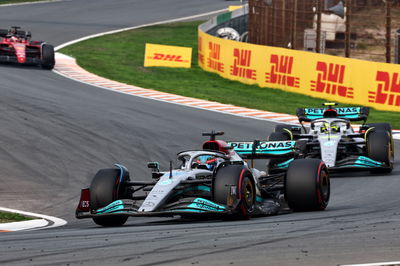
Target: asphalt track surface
{"x": 55, "y": 133}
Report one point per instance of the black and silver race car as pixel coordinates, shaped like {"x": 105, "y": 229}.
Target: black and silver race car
{"x": 215, "y": 181}
{"x": 331, "y": 137}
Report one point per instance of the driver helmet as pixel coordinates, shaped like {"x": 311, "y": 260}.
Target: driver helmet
{"x": 209, "y": 161}
{"x": 331, "y": 128}
{"x": 335, "y": 128}
{"x": 325, "y": 127}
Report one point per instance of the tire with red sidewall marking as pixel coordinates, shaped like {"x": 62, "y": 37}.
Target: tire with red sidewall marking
{"x": 240, "y": 178}
{"x": 307, "y": 185}
{"x": 103, "y": 191}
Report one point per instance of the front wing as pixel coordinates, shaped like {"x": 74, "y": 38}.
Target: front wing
{"x": 13, "y": 59}
{"x": 349, "y": 163}
{"x": 358, "y": 162}
{"x": 184, "y": 207}
{"x": 188, "y": 207}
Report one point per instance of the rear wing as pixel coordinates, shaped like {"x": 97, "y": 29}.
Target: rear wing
{"x": 263, "y": 149}
{"x": 349, "y": 113}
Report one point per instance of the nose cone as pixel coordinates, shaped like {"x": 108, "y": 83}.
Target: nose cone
{"x": 20, "y": 52}
{"x": 21, "y": 59}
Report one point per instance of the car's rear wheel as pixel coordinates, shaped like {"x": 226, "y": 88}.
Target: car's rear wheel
{"x": 307, "y": 185}
{"x": 381, "y": 126}
{"x": 285, "y": 130}
{"x": 103, "y": 191}
{"x": 48, "y": 60}
{"x": 380, "y": 148}
{"x": 238, "y": 178}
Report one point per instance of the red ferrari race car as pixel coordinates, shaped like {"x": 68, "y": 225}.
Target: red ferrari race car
{"x": 16, "y": 47}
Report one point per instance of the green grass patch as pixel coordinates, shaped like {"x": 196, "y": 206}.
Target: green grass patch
{"x": 8, "y": 217}
{"x": 17, "y": 1}
{"x": 120, "y": 57}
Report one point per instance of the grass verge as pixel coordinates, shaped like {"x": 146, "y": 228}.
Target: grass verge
{"x": 8, "y": 217}
{"x": 120, "y": 57}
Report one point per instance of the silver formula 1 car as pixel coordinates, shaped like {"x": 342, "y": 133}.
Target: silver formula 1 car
{"x": 215, "y": 181}
{"x": 331, "y": 138}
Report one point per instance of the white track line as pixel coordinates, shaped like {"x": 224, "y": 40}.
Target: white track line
{"x": 50, "y": 221}
{"x": 140, "y": 26}
{"x": 33, "y": 3}
{"x": 24, "y": 225}
{"x": 391, "y": 263}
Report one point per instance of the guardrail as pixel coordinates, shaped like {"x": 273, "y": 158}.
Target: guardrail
{"x": 334, "y": 78}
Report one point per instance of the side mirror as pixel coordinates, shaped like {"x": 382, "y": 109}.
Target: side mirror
{"x": 154, "y": 165}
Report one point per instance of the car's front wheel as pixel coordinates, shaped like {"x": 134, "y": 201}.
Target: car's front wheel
{"x": 103, "y": 191}
{"x": 235, "y": 182}
{"x": 380, "y": 148}
{"x": 48, "y": 60}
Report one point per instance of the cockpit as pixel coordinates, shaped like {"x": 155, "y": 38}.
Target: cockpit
{"x": 330, "y": 126}
{"x": 199, "y": 160}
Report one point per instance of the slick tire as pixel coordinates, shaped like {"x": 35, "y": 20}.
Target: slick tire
{"x": 239, "y": 177}
{"x": 103, "y": 191}
{"x": 278, "y": 136}
{"x": 380, "y": 148}
{"x": 307, "y": 185}
{"x": 283, "y": 129}
{"x": 48, "y": 60}
{"x": 382, "y": 126}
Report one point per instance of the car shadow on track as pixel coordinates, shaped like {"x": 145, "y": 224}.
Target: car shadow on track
{"x": 15, "y": 65}
{"x": 359, "y": 174}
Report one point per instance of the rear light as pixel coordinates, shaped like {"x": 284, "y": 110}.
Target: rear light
{"x": 84, "y": 202}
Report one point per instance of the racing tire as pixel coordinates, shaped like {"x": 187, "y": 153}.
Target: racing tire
{"x": 382, "y": 126}
{"x": 48, "y": 60}
{"x": 240, "y": 177}
{"x": 307, "y": 185}
{"x": 380, "y": 148}
{"x": 103, "y": 191}
{"x": 277, "y": 136}
{"x": 283, "y": 129}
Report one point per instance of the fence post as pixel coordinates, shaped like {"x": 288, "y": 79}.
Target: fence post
{"x": 273, "y": 23}
{"x": 348, "y": 28}
{"x": 319, "y": 16}
{"x": 388, "y": 30}
{"x": 294, "y": 24}
{"x": 397, "y": 48}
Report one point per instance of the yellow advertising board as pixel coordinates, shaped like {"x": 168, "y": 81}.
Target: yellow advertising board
{"x": 167, "y": 56}
{"x": 334, "y": 78}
